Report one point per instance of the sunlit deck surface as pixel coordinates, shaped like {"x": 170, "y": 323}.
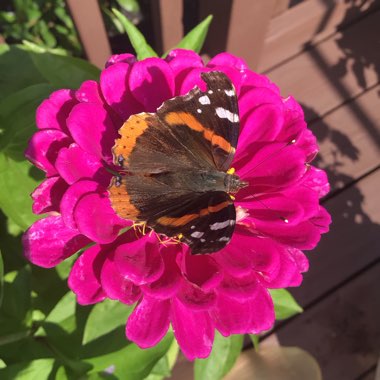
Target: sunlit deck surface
{"x": 336, "y": 79}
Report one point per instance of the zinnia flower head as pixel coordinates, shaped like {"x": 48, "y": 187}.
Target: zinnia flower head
{"x": 278, "y": 213}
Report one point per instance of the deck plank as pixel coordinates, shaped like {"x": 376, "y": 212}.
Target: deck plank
{"x": 348, "y": 147}
{"x": 342, "y": 332}
{"x": 352, "y": 243}
{"x": 308, "y": 23}
{"x": 334, "y": 71}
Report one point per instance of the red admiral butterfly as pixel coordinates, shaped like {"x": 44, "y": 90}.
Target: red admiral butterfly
{"x": 176, "y": 162}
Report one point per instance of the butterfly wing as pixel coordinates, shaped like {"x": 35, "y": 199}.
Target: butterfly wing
{"x": 212, "y": 115}
{"x": 204, "y": 221}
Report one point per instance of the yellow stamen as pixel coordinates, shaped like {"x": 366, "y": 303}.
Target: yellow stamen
{"x": 231, "y": 171}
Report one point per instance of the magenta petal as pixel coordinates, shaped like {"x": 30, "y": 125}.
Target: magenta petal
{"x": 227, "y": 59}
{"x": 71, "y": 198}
{"x": 48, "y": 242}
{"x": 262, "y": 124}
{"x": 84, "y": 278}
{"x": 240, "y": 288}
{"x": 201, "y": 270}
{"x": 151, "y": 82}
{"x": 89, "y": 92}
{"x": 140, "y": 260}
{"x": 167, "y": 285}
{"x": 252, "y": 316}
{"x": 192, "y": 79}
{"x": 47, "y": 196}
{"x": 73, "y": 164}
{"x": 53, "y": 112}
{"x": 116, "y": 286}
{"x": 125, "y": 57}
{"x": 96, "y": 219}
{"x": 321, "y": 220}
{"x": 275, "y": 165}
{"x": 194, "y": 297}
{"x": 149, "y": 322}
{"x": 274, "y": 210}
{"x": 115, "y": 89}
{"x": 257, "y": 97}
{"x": 316, "y": 179}
{"x": 193, "y": 330}
{"x": 43, "y": 149}
{"x": 181, "y": 60}
{"x": 93, "y": 130}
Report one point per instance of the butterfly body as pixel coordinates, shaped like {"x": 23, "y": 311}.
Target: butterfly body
{"x": 175, "y": 166}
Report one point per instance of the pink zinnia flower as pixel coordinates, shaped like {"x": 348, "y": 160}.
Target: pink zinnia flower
{"x": 278, "y": 214}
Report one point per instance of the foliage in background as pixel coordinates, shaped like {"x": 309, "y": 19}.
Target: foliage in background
{"x": 47, "y": 23}
{"x": 38, "y": 316}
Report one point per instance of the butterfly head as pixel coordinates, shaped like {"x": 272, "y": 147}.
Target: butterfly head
{"x": 233, "y": 183}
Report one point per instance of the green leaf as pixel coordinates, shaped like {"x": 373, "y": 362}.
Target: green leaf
{"x": 63, "y": 71}
{"x": 62, "y": 315}
{"x": 19, "y": 178}
{"x": 18, "y": 127}
{"x": 142, "y": 48}
{"x": 165, "y": 365}
{"x": 17, "y": 295}
{"x": 105, "y": 317}
{"x": 195, "y": 39}
{"x": 34, "y": 370}
{"x": 224, "y": 353}
{"x": 1, "y": 278}
{"x": 255, "y": 341}
{"x": 285, "y": 306}
{"x": 131, "y": 6}
{"x": 131, "y": 362}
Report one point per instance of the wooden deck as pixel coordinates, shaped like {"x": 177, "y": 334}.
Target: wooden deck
{"x": 336, "y": 79}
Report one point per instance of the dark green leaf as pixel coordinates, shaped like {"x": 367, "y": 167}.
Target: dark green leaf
{"x": 224, "y": 353}
{"x": 105, "y": 317}
{"x": 64, "y": 71}
{"x": 19, "y": 178}
{"x": 131, "y": 362}
{"x": 34, "y": 370}
{"x": 18, "y": 70}
{"x": 1, "y": 278}
{"x": 17, "y": 296}
{"x": 18, "y": 127}
{"x": 195, "y": 39}
{"x": 142, "y": 48}
{"x": 165, "y": 365}
{"x": 285, "y": 306}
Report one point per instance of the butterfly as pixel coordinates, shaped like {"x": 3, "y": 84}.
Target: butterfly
{"x": 175, "y": 166}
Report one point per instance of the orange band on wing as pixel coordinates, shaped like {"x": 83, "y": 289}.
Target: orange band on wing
{"x": 184, "y": 118}
{"x": 185, "y": 219}
{"x": 129, "y": 132}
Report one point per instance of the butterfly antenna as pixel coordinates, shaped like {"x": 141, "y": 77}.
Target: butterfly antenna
{"x": 285, "y": 220}
{"x": 292, "y": 142}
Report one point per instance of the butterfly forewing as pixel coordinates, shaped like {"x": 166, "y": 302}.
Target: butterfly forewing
{"x": 213, "y": 115}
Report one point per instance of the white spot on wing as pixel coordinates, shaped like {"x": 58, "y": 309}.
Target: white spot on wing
{"x": 221, "y": 225}
{"x": 192, "y": 227}
{"x": 204, "y": 100}
{"x": 224, "y": 238}
{"x": 203, "y": 240}
{"x": 199, "y": 110}
{"x": 229, "y": 92}
{"x": 225, "y": 114}
{"x": 197, "y": 234}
